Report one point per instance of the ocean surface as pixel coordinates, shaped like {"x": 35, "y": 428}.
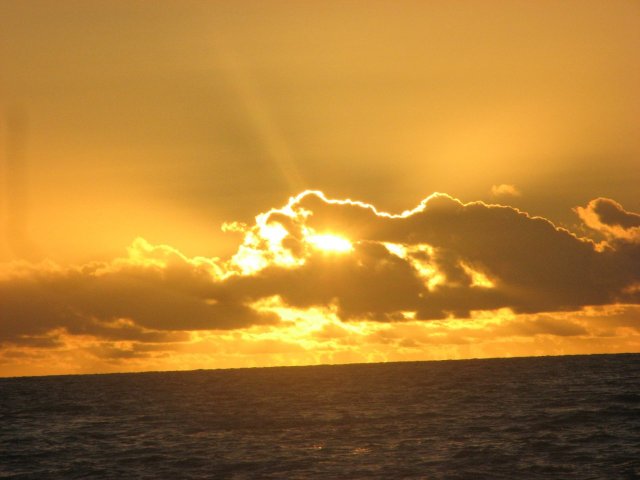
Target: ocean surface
{"x": 546, "y": 417}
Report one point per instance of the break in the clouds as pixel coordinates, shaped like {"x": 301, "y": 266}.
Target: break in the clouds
{"x": 443, "y": 259}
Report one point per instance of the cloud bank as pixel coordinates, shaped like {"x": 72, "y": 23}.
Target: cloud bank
{"x": 444, "y": 259}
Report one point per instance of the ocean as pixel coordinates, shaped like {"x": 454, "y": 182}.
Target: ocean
{"x": 518, "y": 418}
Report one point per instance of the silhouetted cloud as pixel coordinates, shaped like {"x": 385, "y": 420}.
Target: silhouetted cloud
{"x": 443, "y": 259}
{"x": 122, "y": 300}
{"x": 611, "y": 219}
{"x": 532, "y": 265}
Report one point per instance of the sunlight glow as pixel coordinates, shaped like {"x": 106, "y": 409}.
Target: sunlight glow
{"x": 478, "y": 279}
{"x": 418, "y": 257}
{"x": 274, "y": 233}
{"x": 330, "y": 243}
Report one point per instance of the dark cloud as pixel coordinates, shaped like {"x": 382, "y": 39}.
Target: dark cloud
{"x": 534, "y": 266}
{"x": 544, "y": 325}
{"x": 421, "y": 264}
{"x": 117, "y": 302}
{"x": 612, "y": 213}
{"x": 610, "y": 218}
{"x": 368, "y": 283}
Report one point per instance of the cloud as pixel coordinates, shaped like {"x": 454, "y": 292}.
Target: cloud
{"x": 611, "y": 219}
{"x": 505, "y": 190}
{"x": 344, "y": 260}
{"x": 152, "y": 296}
{"x": 423, "y": 261}
{"x": 543, "y": 324}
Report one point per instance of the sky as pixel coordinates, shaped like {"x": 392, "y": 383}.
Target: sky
{"x": 228, "y": 184}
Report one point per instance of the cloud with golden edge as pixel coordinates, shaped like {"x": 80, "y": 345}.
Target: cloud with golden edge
{"x": 609, "y": 218}
{"x": 325, "y": 280}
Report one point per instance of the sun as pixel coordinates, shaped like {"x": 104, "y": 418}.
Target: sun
{"x": 328, "y": 242}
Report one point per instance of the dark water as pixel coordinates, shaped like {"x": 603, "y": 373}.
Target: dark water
{"x": 553, "y": 417}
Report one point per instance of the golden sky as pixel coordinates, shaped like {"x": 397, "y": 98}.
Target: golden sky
{"x": 242, "y": 183}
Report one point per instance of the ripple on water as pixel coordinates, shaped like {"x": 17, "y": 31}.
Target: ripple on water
{"x": 561, "y": 417}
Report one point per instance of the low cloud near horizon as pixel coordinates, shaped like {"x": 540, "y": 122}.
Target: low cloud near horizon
{"x": 443, "y": 261}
